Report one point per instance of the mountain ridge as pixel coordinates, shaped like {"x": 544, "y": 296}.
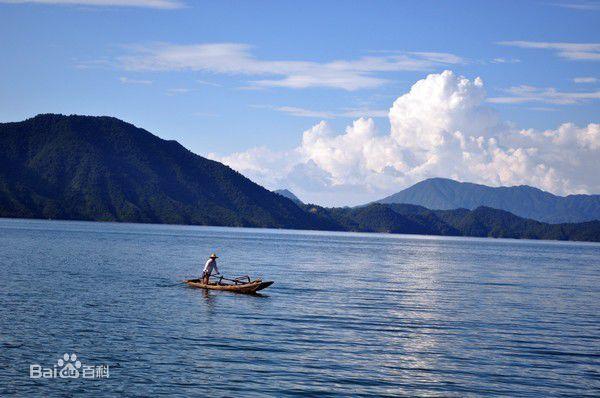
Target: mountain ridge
{"x": 522, "y": 200}
{"x": 286, "y": 193}
{"x": 99, "y": 167}
{"x": 103, "y": 169}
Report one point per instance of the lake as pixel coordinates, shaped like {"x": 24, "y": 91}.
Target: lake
{"x": 349, "y": 314}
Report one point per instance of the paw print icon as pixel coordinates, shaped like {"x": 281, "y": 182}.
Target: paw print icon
{"x": 69, "y": 366}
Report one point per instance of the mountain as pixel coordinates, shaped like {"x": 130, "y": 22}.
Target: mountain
{"x": 101, "y": 168}
{"x": 488, "y": 222}
{"x": 523, "y": 201}
{"x": 288, "y": 194}
{"x": 480, "y": 222}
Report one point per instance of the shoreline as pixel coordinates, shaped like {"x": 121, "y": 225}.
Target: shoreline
{"x": 315, "y": 231}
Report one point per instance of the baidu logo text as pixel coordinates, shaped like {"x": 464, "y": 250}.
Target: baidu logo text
{"x": 68, "y": 367}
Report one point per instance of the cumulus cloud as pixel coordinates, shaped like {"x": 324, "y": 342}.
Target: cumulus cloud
{"x": 160, "y": 4}
{"x": 236, "y": 58}
{"x": 442, "y": 127}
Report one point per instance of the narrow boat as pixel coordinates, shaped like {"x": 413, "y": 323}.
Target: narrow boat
{"x": 238, "y": 285}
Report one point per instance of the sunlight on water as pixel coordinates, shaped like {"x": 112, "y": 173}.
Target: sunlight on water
{"x": 349, "y": 314}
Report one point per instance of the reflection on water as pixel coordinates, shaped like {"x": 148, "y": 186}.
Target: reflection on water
{"x": 349, "y": 314}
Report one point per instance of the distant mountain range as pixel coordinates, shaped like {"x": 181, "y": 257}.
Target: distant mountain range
{"x": 103, "y": 169}
{"x": 524, "y": 201}
{"x": 288, "y": 194}
{"x": 480, "y": 222}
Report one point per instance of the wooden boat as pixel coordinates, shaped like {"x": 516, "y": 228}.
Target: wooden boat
{"x": 238, "y": 285}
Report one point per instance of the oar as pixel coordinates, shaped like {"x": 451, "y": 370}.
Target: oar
{"x": 236, "y": 280}
{"x": 222, "y": 277}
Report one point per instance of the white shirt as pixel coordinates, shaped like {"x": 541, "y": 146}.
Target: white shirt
{"x": 210, "y": 265}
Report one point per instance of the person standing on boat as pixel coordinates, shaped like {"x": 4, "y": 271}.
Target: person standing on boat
{"x": 210, "y": 265}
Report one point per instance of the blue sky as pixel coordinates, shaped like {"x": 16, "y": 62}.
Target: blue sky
{"x": 225, "y": 77}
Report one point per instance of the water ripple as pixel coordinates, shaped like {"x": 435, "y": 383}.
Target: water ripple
{"x": 349, "y": 315}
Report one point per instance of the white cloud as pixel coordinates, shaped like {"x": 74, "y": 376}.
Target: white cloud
{"x": 160, "y": 4}
{"x": 207, "y": 83}
{"x": 580, "y": 80}
{"x": 501, "y": 60}
{"x": 363, "y": 112}
{"x": 443, "y": 58}
{"x": 548, "y": 95}
{"x": 570, "y": 51}
{"x": 177, "y": 91}
{"x": 261, "y": 164}
{"x": 347, "y": 112}
{"x": 304, "y": 112}
{"x": 542, "y": 109}
{"x": 127, "y": 80}
{"x": 582, "y": 6}
{"x": 441, "y": 127}
{"x": 237, "y": 59}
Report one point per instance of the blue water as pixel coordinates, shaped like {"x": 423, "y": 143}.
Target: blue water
{"x": 348, "y": 315}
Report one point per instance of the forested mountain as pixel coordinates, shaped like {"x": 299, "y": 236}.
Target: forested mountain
{"x": 480, "y": 222}
{"x": 103, "y": 169}
{"x": 524, "y": 201}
